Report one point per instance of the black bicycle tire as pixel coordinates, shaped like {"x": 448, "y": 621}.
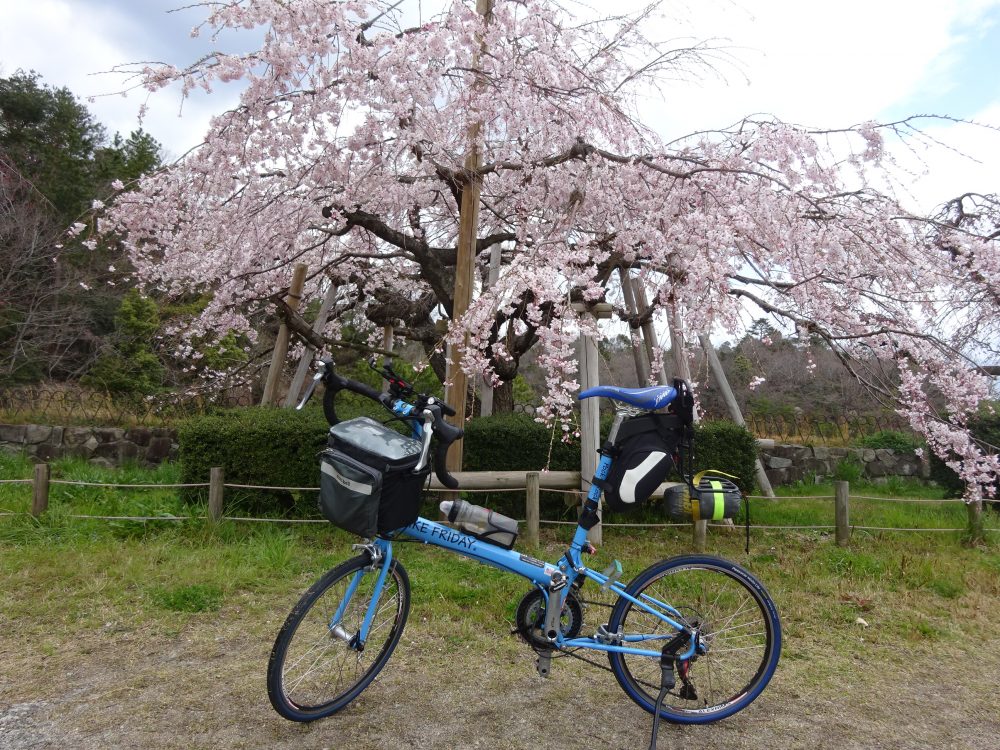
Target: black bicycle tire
{"x": 630, "y": 684}
{"x": 276, "y": 692}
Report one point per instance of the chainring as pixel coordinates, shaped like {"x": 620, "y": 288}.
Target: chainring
{"x": 530, "y": 618}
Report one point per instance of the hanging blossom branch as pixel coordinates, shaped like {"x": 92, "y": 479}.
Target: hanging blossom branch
{"x": 347, "y": 153}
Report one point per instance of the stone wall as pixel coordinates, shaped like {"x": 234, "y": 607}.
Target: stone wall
{"x": 112, "y": 446}
{"x": 785, "y": 464}
{"x": 103, "y": 446}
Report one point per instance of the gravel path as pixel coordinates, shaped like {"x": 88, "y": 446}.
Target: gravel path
{"x": 203, "y": 687}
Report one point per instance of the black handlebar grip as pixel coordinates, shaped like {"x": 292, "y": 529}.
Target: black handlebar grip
{"x": 446, "y": 435}
{"x": 329, "y": 410}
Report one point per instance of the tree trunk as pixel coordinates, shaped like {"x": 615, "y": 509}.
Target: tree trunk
{"x": 503, "y": 397}
{"x": 975, "y": 533}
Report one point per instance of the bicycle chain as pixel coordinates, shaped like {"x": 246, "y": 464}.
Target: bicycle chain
{"x": 573, "y": 652}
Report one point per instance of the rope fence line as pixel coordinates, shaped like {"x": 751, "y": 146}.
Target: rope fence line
{"x": 127, "y": 486}
{"x": 247, "y": 519}
{"x": 487, "y": 482}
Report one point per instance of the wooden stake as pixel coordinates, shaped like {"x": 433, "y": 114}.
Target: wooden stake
{"x": 531, "y": 507}
{"x": 307, "y": 358}
{"x": 216, "y": 492}
{"x": 40, "y": 492}
{"x": 281, "y": 342}
{"x": 842, "y": 513}
{"x": 734, "y": 408}
{"x": 590, "y": 422}
{"x": 649, "y": 332}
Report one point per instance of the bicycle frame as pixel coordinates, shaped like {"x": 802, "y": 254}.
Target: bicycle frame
{"x": 537, "y": 571}
{"x": 718, "y": 607}
{"x": 568, "y": 570}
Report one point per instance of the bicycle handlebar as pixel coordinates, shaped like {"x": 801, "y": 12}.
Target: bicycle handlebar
{"x": 336, "y": 383}
{"x": 446, "y": 433}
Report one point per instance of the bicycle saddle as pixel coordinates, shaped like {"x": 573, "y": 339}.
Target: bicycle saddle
{"x": 654, "y": 397}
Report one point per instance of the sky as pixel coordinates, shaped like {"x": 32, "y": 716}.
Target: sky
{"x": 816, "y": 64}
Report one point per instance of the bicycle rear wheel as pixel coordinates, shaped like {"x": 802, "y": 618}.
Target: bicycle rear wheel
{"x": 739, "y": 626}
{"x": 316, "y": 666}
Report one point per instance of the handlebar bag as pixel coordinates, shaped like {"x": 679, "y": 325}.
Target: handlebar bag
{"x": 644, "y": 455}
{"x": 368, "y": 484}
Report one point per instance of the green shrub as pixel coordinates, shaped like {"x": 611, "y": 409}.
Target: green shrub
{"x": 728, "y": 447}
{"x": 891, "y": 439}
{"x": 277, "y": 448}
{"x": 516, "y": 442}
{"x": 848, "y": 470}
{"x": 513, "y": 442}
{"x": 257, "y": 446}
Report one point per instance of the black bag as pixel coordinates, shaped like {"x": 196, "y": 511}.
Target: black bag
{"x": 368, "y": 485}
{"x": 645, "y": 453}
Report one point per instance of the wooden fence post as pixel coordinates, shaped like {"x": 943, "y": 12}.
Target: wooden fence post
{"x": 699, "y": 533}
{"x": 215, "y": 493}
{"x": 40, "y": 496}
{"x": 531, "y": 507}
{"x": 841, "y": 507}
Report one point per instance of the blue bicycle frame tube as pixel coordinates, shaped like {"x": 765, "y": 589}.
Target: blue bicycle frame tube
{"x": 366, "y": 624}
{"x": 431, "y": 532}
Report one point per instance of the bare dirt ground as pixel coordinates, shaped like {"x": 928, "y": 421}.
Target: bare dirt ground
{"x": 202, "y": 686}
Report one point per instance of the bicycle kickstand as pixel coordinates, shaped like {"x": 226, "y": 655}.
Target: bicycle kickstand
{"x": 668, "y": 655}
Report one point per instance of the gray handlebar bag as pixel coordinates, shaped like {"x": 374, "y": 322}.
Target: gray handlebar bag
{"x": 368, "y": 482}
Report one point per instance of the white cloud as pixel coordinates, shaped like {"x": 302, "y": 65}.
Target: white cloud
{"x": 829, "y": 64}
{"x": 817, "y": 64}
{"x": 73, "y": 44}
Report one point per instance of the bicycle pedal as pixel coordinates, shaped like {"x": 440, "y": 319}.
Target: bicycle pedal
{"x": 612, "y": 573}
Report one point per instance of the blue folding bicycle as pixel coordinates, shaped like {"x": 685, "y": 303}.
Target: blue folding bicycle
{"x": 692, "y": 639}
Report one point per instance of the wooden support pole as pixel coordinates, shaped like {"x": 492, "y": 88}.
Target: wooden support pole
{"x": 531, "y": 507}
{"x": 281, "y": 342}
{"x": 468, "y": 231}
{"x": 649, "y": 332}
{"x": 216, "y": 490}
{"x": 734, "y": 408}
{"x": 40, "y": 493}
{"x": 486, "y": 388}
{"x": 307, "y": 358}
{"x": 590, "y": 421}
{"x": 388, "y": 336}
{"x": 639, "y": 353}
{"x": 842, "y": 514}
{"x": 682, "y": 369}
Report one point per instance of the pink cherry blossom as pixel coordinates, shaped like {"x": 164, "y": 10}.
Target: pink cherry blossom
{"x": 347, "y": 153}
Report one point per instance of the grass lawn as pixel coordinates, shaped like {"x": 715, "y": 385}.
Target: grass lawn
{"x": 156, "y": 633}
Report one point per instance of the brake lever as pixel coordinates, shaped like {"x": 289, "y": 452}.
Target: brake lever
{"x": 309, "y": 391}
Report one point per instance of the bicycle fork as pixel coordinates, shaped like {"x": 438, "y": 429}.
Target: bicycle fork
{"x": 380, "y": 554}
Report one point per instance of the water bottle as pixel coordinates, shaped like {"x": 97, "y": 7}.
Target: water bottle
{"x": 481, "y": 522}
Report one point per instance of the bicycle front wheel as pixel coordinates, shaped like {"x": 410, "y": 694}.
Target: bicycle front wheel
{"x": 739, "y": 629}
{"x": 317, "y": 664}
